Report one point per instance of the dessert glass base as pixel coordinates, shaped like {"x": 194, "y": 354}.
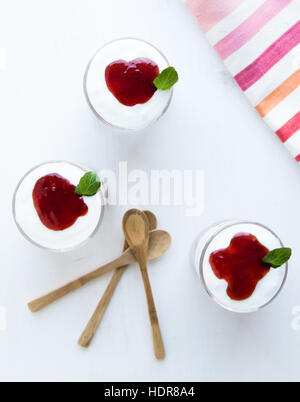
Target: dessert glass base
{"x": 218, "y": 237}
{"x": 29, "y": 223}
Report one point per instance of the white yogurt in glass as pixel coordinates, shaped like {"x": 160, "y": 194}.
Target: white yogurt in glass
{"x": 33, "y": 229}
{"x": 219, "y": 237}
{"x": 105, "y": 105}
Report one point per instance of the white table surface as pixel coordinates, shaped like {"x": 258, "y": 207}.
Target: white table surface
{"x": 210, "y": 126}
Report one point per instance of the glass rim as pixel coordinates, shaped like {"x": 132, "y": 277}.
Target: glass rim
{"x": 25, "y": 235}
{"x": 86, "y": 94}
{"x": 200, "y": 264}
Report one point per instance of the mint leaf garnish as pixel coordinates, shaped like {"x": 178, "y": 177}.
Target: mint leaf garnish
{"x": 278, "y": 257}
{"x": 166, "y": 79}
{"x": 89, "y": 185}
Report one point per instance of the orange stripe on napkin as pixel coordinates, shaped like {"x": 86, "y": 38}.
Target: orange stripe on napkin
{"x": 280, "y": 93}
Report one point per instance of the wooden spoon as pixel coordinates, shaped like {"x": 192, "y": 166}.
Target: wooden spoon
{"x": 91, "y": 328}
{"x": 136, "y": 231}
{"x": 160, "y": 242}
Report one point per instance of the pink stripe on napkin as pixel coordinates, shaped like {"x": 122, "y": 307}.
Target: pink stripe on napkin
{"x": 210, "y": 12}
{"x": 269, "y": 58}
{"x": 249, "y": 28}
{"x": 290, "y": 128}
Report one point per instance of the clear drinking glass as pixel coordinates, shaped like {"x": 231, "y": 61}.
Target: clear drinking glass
{"x": 103, "y": 103}
{"x": 218, "y": 237}
{"x": 29, "y": 224}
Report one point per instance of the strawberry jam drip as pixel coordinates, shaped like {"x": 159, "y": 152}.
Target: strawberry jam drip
{"x": 132, "y": 82}
{"x": 57, "y": 204}
{"x": 241, "y": 265}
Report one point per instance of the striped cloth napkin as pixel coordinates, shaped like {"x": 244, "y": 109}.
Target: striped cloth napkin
{"x": 259, "y": 42}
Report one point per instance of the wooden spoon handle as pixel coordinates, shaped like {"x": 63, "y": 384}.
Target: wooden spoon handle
{"x": 57, "y": 294}
{"x": 158, "y": 344}
{"x": 91, "y": 328}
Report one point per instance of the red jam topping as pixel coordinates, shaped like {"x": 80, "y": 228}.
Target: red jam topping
{"x": 57, "y": 204}
{"x": 132, "y": 82}
{"x": 241, "y": 265}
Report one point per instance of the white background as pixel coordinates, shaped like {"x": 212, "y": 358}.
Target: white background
{"x": 210, "y": 126}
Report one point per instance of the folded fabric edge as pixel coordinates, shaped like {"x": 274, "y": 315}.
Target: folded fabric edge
{"x": 210, "y": 14}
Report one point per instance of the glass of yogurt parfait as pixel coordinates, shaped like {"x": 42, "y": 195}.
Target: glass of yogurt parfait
{"x": 50, "y": 214}
{"x": 229, "y": 261}
{"x": 119, "y": 84}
